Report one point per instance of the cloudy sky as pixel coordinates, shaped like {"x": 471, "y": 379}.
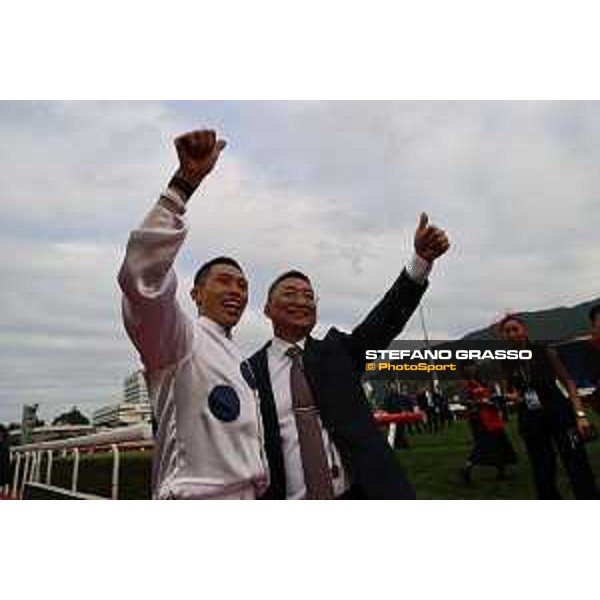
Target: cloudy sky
{"x": 332, "y": 188}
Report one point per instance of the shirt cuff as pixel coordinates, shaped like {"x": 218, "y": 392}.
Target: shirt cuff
{"x": 418, "y": 269}
{"x": 172, "y": 200}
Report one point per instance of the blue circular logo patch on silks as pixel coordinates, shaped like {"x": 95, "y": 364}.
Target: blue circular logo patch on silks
{"x": 224, "y": 403}
{"x": 248, "y": 374}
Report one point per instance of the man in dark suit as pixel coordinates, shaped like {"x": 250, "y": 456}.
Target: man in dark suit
{"x": 321, "y": 439}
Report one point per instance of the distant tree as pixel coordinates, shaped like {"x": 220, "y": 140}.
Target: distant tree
{"x": 72, "y": 417}
{"x": 13, "y": 426}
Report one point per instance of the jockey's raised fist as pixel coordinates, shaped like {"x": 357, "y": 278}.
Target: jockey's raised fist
{"x": 198, "y": 152}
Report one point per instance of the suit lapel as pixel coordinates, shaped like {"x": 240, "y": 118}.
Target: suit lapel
{"x": 272, "y": 434}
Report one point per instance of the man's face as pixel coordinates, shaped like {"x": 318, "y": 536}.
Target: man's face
{"x": 514, "y": 331}
{"x": 222, "y": 295}
{"x": 292, "y": 308}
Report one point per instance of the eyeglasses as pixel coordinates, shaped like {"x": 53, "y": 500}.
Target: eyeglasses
{"x": 295, "y": 296}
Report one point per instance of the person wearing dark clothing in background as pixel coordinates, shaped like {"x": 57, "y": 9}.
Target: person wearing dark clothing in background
{"x": 548, "y": 422}
{"x": 498, "y": 399}
{"x": 421, "y": 404}
{"x": 427, "y": 404}
{"x": 5, "y": 475}
{"x": 442, "y": 406}
{"x": 394, "y": 403}
{"x": 592, "y": 359}
{"x": 417, "y": 426}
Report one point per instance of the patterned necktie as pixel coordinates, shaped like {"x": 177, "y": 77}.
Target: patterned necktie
{"x": 317, "y": 475}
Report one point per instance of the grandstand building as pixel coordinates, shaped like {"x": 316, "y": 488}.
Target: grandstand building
{"x": 133, "y": 409}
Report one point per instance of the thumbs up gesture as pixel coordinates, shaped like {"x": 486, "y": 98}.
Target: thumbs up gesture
{"x": 198, "y": 152}
{"x": 430, "y": 241}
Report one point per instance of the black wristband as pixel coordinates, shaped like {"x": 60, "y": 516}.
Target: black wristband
{"x": 182, "y": 186}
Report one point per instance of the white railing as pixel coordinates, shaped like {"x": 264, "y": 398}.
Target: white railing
{"x": 27, "y": 459}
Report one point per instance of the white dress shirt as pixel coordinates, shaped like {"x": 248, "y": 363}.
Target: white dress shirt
{"x": 280, "y": 365}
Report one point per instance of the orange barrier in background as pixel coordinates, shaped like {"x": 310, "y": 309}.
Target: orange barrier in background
{"x": 385, "y": 418}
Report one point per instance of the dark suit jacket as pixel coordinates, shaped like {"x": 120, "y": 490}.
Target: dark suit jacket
{"x": 334, "y": 367}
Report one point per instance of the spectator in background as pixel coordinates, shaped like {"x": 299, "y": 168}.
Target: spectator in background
{"x": 491, "y": 446}
{"x": 548, "y": 422}
{"x": 442, "y": 405}
{"x": 405, "y": 400}
{"x": 427, "y": 404}
{"x": 421, "y": 403}
{"x": 593, "y": 356}
{"x": 5, "y": 478}
{"x": 499, "y": 400}
{"x": 394, "y": 404}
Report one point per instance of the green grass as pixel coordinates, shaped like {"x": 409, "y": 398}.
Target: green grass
{"x": 433, "y": 460}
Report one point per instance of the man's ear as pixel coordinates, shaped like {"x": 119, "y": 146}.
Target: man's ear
{"x": 195, "y": 294}
{"x": 267, "y": 310}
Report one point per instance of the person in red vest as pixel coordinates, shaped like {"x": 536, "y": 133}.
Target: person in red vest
{"x": 491, "y": 446}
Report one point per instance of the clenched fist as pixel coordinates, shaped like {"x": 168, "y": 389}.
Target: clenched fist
{"x": 430, "y": 241}
{"x": 198, "y": 152}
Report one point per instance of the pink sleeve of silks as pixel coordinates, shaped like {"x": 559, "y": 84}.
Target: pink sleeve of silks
{"x": 153, "y": 318}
